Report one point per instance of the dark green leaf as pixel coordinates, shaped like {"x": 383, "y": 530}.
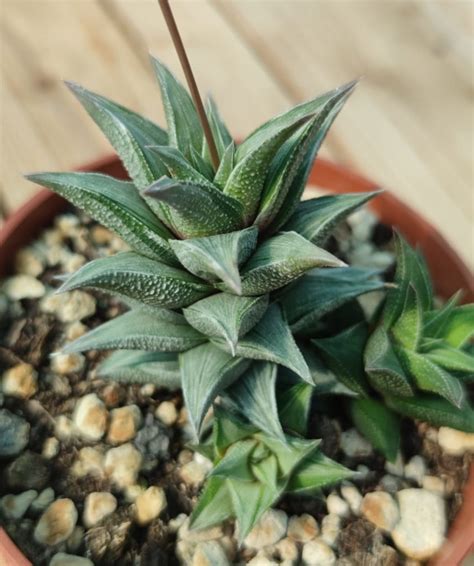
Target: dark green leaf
{"x": 293, "y": 407}
{"x": 177, "y": 165}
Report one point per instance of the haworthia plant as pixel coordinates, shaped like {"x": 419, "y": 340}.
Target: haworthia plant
{"x": 235, "y": 300}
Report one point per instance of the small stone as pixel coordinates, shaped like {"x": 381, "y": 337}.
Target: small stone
{"x": 101, "y": 235}
{"x": 175, "y": 524}
{"x": 67, "y": 224}
{"x": 28, "y": 471}
{"x": 75, "y": 330}
{"x": 14, "y": 433}
{"x": 69, "y": 307}
{"x": 73, "y": 262}
{"x": 391, "y": 483}
{"x": 148, "y": 389}
{"x": 455, "y": 442}
{"x": 354, "y": 445}
{"x": 112, "y": 395}
{"x": 185, "y": 456}
{"x": 337, "y": 505}
{"x": 15, "y": 506}
{"x": 63, "y": 428}
{"x": 63, "y": 559}
{"x": 199, "y": 535}
{"x": 318, "y": 553}
{"x": 184, "y": 551}
{"x": 262, "y": 559}
{"x": 396, "y": 468}
{"x": 28, "y": 262}
{"x": 90, "y": 417}
{"x": 50, "y": 448}
{"x": 57, "y": 523}
{"x": 20, "y": 381}
{"x": 269, "y": 529}
{"x": 124, "y": 424}
{"x": 167, "y": 413}
{"x": 97, "y": 506}
{"x": 131, "y": 492}
{"x": 415, "y": 469}
{"x": 89, "y": 461}
{"x": 65, "y": 364}
{"x": 363, "y": 472}
{"x": 287, "y": 551}
{"x": 381, "y": 509}
{"x": 122, "y": 464}
{"x": 303, "y": 527}
{"x": 209, "y": 553}
{"x": 422, "y": 527}
{"x": 330, "y": 529}
{"x": 193, "y": 473}
{"x": 74, "y": 542}
{"x": 434, "y": 484}
{"x": 353, "y": 497}
{"x": 149, "y": 505}
{"x": 44, "y": 500}
{"x": 21, "y": 287}
{"x": 362, "y": 223}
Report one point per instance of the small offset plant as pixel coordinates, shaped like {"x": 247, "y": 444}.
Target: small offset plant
{"x": 234, "y": 299}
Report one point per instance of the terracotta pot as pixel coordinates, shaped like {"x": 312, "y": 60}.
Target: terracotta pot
{"x": 448, "y": 272}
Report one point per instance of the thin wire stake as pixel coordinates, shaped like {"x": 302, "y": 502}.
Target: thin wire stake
{"x": 188, "y": 73}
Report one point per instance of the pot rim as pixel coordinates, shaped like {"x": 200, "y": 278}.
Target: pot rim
{"x": 45, "y": 205}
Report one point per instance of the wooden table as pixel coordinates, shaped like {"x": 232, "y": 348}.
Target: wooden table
{"x": 409, "y": 126}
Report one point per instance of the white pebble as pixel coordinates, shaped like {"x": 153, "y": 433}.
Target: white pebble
{"x": 318, "y": 553}
{"x": 396, "y": 468}
{"x": 337, "y": 505}
{"x": 302, "y": 527}
{"x": 90, "y": 417}
{"x": 65, "y": 364}
{"x": 29, "y": 262}
{"x": 149, "y": 505}
{"x": 353, "y": 497}
{"x": 269, "y": 530}
{"x": 193, "y": 535}
{"x": 415, "y": 469}
{"x": 15, "y": 506}
{"x": 193, "y": 473}
{"x": 354, "y": 445}
{"x": 330, "y": 529}
{"x": 380, "y": 509}
{"x": 124, "y": 424}
{"x": 63, "y": 559}
{"x": 97, "y": 506}
{"x": 209, "y": 553}
{"x": 89, "y": 461}
{"x": 50, "y": 448}
{"x": 44, "y": 500}
{"x": 23, "y": 287}
{"x": 56, "y": 523}
{"x": 63, "y": 428}
{"x": 69, "y": 307}
{"x": 434, "y": 484}
{"x": 166, "y": 412}
{"x": 122, "y": 464}
{"x": 20, "y": 381}
{"x": 455, "y": 442}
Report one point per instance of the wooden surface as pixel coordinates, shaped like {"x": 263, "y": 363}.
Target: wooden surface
{"x": 409, "y": 126}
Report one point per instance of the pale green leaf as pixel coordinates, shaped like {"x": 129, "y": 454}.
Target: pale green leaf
{"x": 220, "y": 133}
{"x": 408, "y": 327}
{"x": 226, "y": 316}
{"x": 315, "y": 218}
{"x": 316, "y": 472}
{"x": 115, "y": 204}
{"x": 452, "y": 359}
{"x": 228, "y": 428}
{"x": 378, "y": 424}
{"x": 132, "y": 366}
{"x": 435, "y": 321}
{"x": 217, "y": 258}
{"x": 266, "y": 471}
{"x": 205, "y": 372}
{"x": 142, "y": 279}
{"x": 290, "y": 453}
{"x": 177, "y": 165}
{"x": 460, "y": 327}
{"x": 198, "y": 209}
{"x": 214, "y": 506}
{"x": 236, "y": 462}
{"x": 293, "y": 407}
{"x": 140, "y": 329}
{"x": 226, "y": 166}
{"x": 282, "y": 259}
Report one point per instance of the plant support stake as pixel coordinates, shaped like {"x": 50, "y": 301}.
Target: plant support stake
{"x": 188, "y": 73}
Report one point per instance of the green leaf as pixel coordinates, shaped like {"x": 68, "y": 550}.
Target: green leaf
{"x": 217, "y": 257}
{"x": 226, "y": 316}
{"x": 246, "y": 182}
{"x": 177, "y": 166}
{"x": 315, "y": 218}
{"x": 253, "y": 395}
{"x": 140, "y": 329}
{"x": 205, "y": 372}
{"x": 378, "y": 424}
{"x": 293, "y": 407}
{"x": 136, "y": 277}
{"x": 324, "y": 290}
{"x": 220, "y": 133}
{"x": 280, "y": 260}
{"x": 198, "y": 209}
{"x": 315, "y": 472}
{"x": 226, "y": 166}
{"x": 131, "y": 366}
{"x": 214, "y": 506}
{"x": 266, "y": 471}
{"x": 452, "y": 359}
{"x": 343, "y": 354}
{"x": 236, "y": 462}
{"x": 290, "y": 453}
{"x": 116, "y": 205}
{"x": 436, "y": 320}
{"x": 383, "y": 367}
{"x": 460, "y": 327}
{"x": 434, "y": 410}
{"x": 430, "y": 377}
{"x": 184, "y": 128}
{"x": 271, "y": 340}
{"x": 408, "y": 327}
{"x": 228, "y": 428}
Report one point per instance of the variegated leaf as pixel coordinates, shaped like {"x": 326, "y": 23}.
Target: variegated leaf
{"x": 343, "y": 354}
{"x": 117, "y": 205}
{"x": 136, "y": 277}
{"x": 454, "y": 360}
{"x": 226, "y": 166}
{"x": 408, "y": 327}
{"x": 205, "y": 372}
{"x": 315, "y": 472}
{"x": 214, "y": 506}
{"x": 431, "y": 378}
{"x": 184, "y": 128}
{"x": 272, "y": 341}
{"x": 383, "y": 367}
{"x": 254, "y": 396}
{"x": 198, "y": 209}
{"x": 140, "y": 329}
{"x": 315, "y": 218}
{"x": 435, "y": 410}
{"x": 280, "y": 260}
{"x": 220, "y": 133}
{"x": 324, "y": 290}
{"x": 246, "y": 182}
{"x": 217, "y": 258}
{"x": 378, "y": 424}
{"x": 226, "y": 316}
{"x": 132, "y": 366}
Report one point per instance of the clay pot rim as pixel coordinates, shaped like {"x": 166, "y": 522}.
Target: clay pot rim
{"x": 390, "y": 210}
